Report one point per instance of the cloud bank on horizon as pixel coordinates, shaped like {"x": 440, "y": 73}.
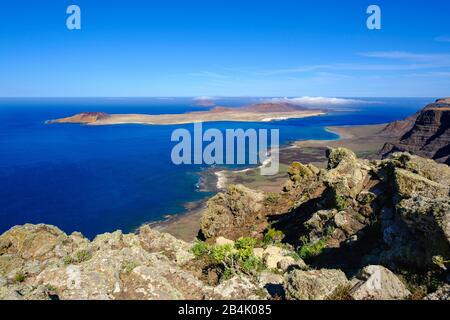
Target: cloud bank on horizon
{"x": 316, "y": 101}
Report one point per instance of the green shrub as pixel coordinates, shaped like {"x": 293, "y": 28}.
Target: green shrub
{"x": 227, "y": 259}
{"x": 272, "y": 198}
{"x": 68, "y": 260}
{"x": 200, "y": 249}
{"x": 219, "y": 254}
{"x": 311, "y": 250}
{"x": 297, "y": 172}
{"x": 340, "y": 202}
{"x": 19, "y": 277}
{"x": 273, "y": 236}
{"x": 245, "y": 247}
{"x": 251, "y": 265}
{"x": 440, "y": 262}
{"x": 83, "y": 255}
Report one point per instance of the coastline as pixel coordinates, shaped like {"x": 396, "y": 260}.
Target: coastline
{"x": 228, "y": 115}
{"x": 363, "y": 138}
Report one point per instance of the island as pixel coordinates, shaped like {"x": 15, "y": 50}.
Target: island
{"x": 263, "y": 112}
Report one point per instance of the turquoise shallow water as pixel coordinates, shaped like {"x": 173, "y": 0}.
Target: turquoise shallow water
{"x": 99, "y": 179}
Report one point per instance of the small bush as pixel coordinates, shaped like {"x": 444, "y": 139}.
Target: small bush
{"x": 245, "y": 247}
{"x": 340, "y": 203}
{"x": 272, "y": 198}
{"x": 252, "y": 265}
{"x": 440, "y": 262}
{"x": 68, "y": 260}
{"x": 311, "y": 250}
{"x": 219, "y": 254}
{"x": 200, "y": 249}
{"x": 19, "y": 277}
{"x": 273, "y": 236}
{"x": 227, "y": 259}
{"x": 83, "y": 255}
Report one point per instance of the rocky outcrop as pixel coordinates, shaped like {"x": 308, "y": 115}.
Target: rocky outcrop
{"x": 378, "y": 283}
{"x": 429, "y": 136}
{"x": 314, "y": 284}
{"x": 233, "y": 214}
{"x": 42, "y": 262}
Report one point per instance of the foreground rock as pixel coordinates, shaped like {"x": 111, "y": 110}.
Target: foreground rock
{"x": 233, "y": 214}
{"x": 378, "y": 283}
{"x": 41, "y": 262}
{"x": 314, "y": 285}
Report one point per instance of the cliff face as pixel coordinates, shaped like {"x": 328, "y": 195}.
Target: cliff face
{"x": 429, "y": 136}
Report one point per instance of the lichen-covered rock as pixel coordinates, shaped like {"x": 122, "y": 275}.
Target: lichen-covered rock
{"x": 232, "y": 214}
{"x": 346, "y": 174}
{"x": 155, "y": 241}
{"x": 409, "y": 184}
{"x": 336, "y": 156}
{"x": 431, "y": 216}
{"x": 288, "y": 263}
{"x": 237, "y": 288}
{"x": 272, "y": 283}
{"x": 378, "y": 283}
{"x": 314, "y": 284}
{"x": 41, "y": 262}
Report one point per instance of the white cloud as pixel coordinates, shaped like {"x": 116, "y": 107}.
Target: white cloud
{"x": 405, "y": 61}
{"x": 203, "y": 98}
{"x": 409, "y": 56}
{"x": 316, "y": 101}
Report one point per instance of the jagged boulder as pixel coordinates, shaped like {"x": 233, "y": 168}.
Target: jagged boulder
{"x": 378, "y": 283}
{"x": 233, "y": 214}
{"x": 155, "y": 241}
{"x": 409, "y": 184}
{"x": 237, "y": 288}
{"x": 346, "y": 174}
{"x": 314, "y": 284}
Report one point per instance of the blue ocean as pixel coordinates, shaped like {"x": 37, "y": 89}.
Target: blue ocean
{"x": 100, "y": 179}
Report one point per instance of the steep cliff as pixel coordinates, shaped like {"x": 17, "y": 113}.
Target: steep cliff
{"x": 427, "y": 136}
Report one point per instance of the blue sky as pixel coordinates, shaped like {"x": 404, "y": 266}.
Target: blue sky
{"x": 224, "y": 48}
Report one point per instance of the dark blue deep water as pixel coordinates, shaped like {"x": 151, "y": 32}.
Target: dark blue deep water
{"x": 99, "y": 179}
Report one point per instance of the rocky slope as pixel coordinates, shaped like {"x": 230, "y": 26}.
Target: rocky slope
{"x": 426, "y": 134}
{"x": 356, "y": 230}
